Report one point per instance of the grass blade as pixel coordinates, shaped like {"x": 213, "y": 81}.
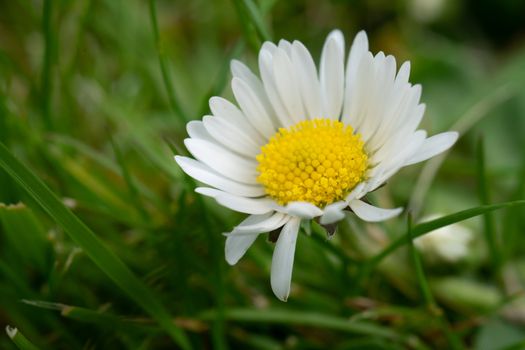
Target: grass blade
{"x": 25, "y": 236}
{"x": 257, "y": 20}
{"x": 103, "y": 319}
{"x": 47, "y": 79}
{"x": 423, "y": 228}
{"x": 427, "y": 293}
{"x": 305, "y": 318}
{"x": 104, "y": 258}
{"x": 250, "y": 33}
{"x": 488, "y": 220}
{"x": 19, "y": 339}
{"x": 163, "y": 62}
{"x": 222, "y": 78}
{"x": 133, "y": 190}
{"x": 420, "y": 274}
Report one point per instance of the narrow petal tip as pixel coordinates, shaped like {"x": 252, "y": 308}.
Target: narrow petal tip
{"x": 370, "y": 213}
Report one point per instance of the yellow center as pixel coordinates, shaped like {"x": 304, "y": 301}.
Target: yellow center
{"x": 317, "y": 161}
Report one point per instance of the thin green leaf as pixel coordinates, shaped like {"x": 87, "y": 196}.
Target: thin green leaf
{"x": 133, "y": 191}
{"x": 19, "y": 339}
{"x": 101, "y": 318}
{"x": 102, "y": 160}
{"x": 25, "y": 235}
{"x": 47, "y": 79}
{"x": 420, "y": 274}
{"x": 423, "y": 228}
{"x": 104, "y": 258}
{"x": 304, "y": 318}
{"x": 249, "y": 31}
{"x": 484, "y": 197}
{"x": 257, "y": 20}
{"x": 4, "y": 130}
{"x": 222, "y": 78}
{"x": 511, "y": 228}
{"x": 174, "y": 102}
{"x": 430, "y": 302}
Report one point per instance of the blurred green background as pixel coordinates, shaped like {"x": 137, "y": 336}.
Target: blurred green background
{"x": 94, "y": 103}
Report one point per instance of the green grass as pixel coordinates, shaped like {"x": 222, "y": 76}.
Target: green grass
{"x": 104, "y": 244}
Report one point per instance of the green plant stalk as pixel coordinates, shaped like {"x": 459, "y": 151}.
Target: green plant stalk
{"x": 488, "y": 220}
{"x": 163, "y": 62}
{"x": 426, "y": 227}
{"x": 221, "y": 80}
{"x": 304, "y": 318}
{"x": 133, "y": 191}
{"x": 4, "y": 131}
{"x": 104, "y": 258}
{"x": 19, "y": 339}
{"x": 430, "y": 302}
{"x": 250, "y": 33}
{"x": 218, "y": 330}
{"x": 511, "y": 228}
{"x": 46, "y": 87}
{"x": 257, "y": 20}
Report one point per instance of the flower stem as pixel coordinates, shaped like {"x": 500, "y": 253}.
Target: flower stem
{"x": 430, "y": 302}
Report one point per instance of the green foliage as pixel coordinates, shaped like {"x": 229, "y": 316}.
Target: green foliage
{"x": 104, "y": 244}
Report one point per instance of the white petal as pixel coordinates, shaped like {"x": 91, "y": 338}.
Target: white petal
{"x": 286, "y": 46}
{"x": 308, "y": 81}
{"x": 237, "y": 245}
{"x": 209, "y": 192}
{"x": 267, "y": 76}
{"x": 370, "y": 213}
{"x": 223, "y": 161}
{"x": 333, "y": 213}
{"x": 205, "y": 174}
{"x": 403, "y": 75}
{"x": 331, "y": 72}
{"x": 375, "y": 97}
{"x": 252, "y": 107}
{"x": 302, "y": 210}
{"x": 223, "y": 108}
{"x": 239, "y": 70}
{"x": 380, "y": 93}
{"x": 358, "y": 192}
{"x": 287, "y": 85}
{"x": 271, "y": 223}
{"x": 395, "y": 154}
{"x": 230, "y": 136}
{"x": 394, "y": 159}
{"x": 196, "y": 130}
{"x": 269, "y": 47}
{"x": 433, "y": 146}
{"x": 282, "y": 261}
{"x": 238, "y": 203}
{"x": 357, "y": 51}
{"x": 357, "y": 102}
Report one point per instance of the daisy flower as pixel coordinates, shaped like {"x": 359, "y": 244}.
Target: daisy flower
{"x": 307, "y": 142}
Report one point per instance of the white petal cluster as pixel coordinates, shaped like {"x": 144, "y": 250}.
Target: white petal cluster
{"x": 368, "y": 93}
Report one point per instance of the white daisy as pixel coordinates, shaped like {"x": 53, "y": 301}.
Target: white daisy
{"x": 307, "y": 143}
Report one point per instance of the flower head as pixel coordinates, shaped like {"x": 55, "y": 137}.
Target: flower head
{"x": 307, "y": 143}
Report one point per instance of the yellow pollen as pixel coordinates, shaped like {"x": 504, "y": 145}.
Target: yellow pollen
{"x": 317, "y": 161}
